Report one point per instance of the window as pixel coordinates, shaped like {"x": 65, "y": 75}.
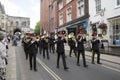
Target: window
{"x": 11, "y": 23}
{"x": 61, "y": 19}
{"x": 98, "y": 5}
{"x": 118, "y": 2}
{"x": 51, "y": 1}
{"x": 80, "y": 8}
{"x": 67, "y": 1}
{"x": 60, "y": 5}
{"x": 52, "y": 21}
{"x": 23, "y": 23}
{"x": 115, "y": 35}
{"x": 17, "y": 24}
{"x": 69, "y": 14}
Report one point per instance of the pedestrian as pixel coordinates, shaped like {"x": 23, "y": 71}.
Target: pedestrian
{"x": 95, "y": 48}
{"x": 80, "y": 47}
{"x": 60, "y": 49}
{"x": 2, "y": 58}
{"x": 5, "y": 42}
{"x": 33, "y": 50}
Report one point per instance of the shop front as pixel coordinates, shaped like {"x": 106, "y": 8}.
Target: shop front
{"x": 114, "y": 34}
{"x": 75, "y": 26}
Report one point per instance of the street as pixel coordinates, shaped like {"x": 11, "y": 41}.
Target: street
{"x": 47, "y": 68}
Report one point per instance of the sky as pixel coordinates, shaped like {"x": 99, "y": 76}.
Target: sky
{"x": 23, "y": 8}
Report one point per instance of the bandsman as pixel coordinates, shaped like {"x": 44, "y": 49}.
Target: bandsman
{"x": 72, "y": 43}
{"x": 60, "y": 49}
{"x": 95, "y": 48}
{"x": 33, "y": 48}
{"x": 45, "y": 47}
{"x": 52, "y": 43}
{"x": 80, "y": 47}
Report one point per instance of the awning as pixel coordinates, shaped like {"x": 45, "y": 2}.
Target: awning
{"x": 73, "y": 23}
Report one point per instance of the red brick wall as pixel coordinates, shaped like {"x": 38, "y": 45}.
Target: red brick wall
{"x": 54, "y": 15}
{"x": 44, "y": 14}
{"x": 72, "y": 4}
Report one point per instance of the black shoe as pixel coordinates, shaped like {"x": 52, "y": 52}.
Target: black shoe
{"x": 35, "y": 69}
{"x": 99, "y": 63}
{"x": 31, "y": 68}
{"x": 66, "y": 68}
{"x": 93, "y": 63}
{"x": 85, "y": 65}
{"x": 78, "y": 64}
{"x": 48, "y": 58}
{"x": 57, "y": 67}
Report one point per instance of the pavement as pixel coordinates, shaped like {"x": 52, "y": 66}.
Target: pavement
{"x": 109, "y": 58}
{"x": 11, "y": 67}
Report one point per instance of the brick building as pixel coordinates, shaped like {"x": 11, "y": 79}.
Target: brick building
{"x": 44, "y": 16}
{"x": 53, "y": 23}
{"x": 73, "y": 15}
{"x": 68, "y": 15}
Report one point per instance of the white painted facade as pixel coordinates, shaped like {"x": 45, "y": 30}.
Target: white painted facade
{"x": 110, "y": 10}
{"x": 23, "y": 23}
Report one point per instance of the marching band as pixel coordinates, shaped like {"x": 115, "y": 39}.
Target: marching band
{"x": 45, "y": 45}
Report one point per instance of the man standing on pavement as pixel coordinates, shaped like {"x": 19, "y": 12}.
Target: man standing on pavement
{"x": 33, "y": 48}
{"x": 95, "y": 48}
{"x": 60, "y": 49}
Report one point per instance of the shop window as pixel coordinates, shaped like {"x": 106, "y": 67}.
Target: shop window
{"x": 116, "y": 32}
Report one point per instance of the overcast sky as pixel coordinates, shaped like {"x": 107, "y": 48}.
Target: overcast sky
{"x": 23, "y": 8}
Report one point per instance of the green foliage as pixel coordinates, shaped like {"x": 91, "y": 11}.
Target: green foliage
{"x": 37, "y": 27}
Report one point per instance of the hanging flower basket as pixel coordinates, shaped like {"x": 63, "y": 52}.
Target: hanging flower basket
{"x": 103, "y": 26}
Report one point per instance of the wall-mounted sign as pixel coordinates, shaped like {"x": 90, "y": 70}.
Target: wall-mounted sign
{"x": 85, "y": 25}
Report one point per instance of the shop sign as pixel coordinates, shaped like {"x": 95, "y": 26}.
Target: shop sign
{"x": 85, "y": 25}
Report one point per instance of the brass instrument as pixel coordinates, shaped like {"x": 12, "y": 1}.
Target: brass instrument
{"x": 46, "y": 40}
{"x": 71, "y": 35}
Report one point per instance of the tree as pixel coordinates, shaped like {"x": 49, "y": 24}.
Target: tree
{"x": 37, "y": 27}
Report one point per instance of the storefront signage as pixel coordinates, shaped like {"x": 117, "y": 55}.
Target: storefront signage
{"x": 85, "y": 25}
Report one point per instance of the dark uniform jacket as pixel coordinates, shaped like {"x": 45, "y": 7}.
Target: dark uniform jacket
{"x": 80, "y": 43}
{"x": 60, "y": 45}
{"x": 95, "y": 44}
{"x": 45, "y": 44}
{"x": 71, "y": 43}
{"x": 40, "y": 43}
{"x": 33, "y": 47}
{"x": 51, "y": 41}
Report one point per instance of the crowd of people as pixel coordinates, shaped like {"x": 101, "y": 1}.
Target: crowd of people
{"x": 33, "y": 44}
{"x": 4, "y": 40}
{"x": 45, "y": 45}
